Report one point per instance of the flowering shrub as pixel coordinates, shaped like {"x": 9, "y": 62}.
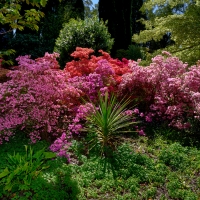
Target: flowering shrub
{"x": 61, "y": 145}
{"x": 37, "y": 99}
{"x": 81, "y": 115}
{"x": 165, "y": 90}
{"x": 46, "y": 101}
{"x": 88, "y": 63}
{"x": 92, "y": 74}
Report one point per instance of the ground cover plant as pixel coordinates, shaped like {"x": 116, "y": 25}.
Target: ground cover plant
{"x": 100, "y": 116}
{"x": 143, "y": 168}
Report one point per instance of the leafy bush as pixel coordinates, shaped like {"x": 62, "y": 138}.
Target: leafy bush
{"x": 121, "y": 53}
{"x": 27, "y": 44}
{"x": 134, "y": 52}
{"x": 88, "y": 33}
{"x": 21, "y": 170}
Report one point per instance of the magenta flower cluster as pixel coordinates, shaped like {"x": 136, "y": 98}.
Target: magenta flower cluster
{"x": 81, "y": 115}
{"x": 61, "y": 146}
{"x": 89, "y": 85}
{"x": 36, "y": 99}
{"x": 166, "y": 90}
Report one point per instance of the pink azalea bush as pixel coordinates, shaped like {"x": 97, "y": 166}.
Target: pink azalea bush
{"x": 37, "y": 99}
{"x": 166, "y": 90}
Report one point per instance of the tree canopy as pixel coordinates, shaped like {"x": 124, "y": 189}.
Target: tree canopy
{"x": 37, "y": 25}
{"x": 11, "y": 15}
{"x": 179, "y": 18}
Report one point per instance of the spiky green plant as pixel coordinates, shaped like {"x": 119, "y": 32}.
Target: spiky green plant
{"x": 106, "y": 124}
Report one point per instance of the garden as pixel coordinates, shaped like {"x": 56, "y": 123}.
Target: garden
{"x": 101, "y": 128}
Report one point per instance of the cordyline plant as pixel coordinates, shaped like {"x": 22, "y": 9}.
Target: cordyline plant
{"x": 100, "y": 126}
{"x": 37, "y": 99}
{"x": 106, "y": 123}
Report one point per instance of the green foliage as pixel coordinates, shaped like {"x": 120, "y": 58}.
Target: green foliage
{"x": 178, "y": 188}
{"x": 34, "y": 43}
{"x": 57, "y": 184}
{"x": 175, "y": 156}
{"x": 121, "y": 53}
{"x": 7, "y": 57}
{"x": 90, "y": 9}
{"x": 54, "y": 19}
{"x": 27, "y": 44}
{"x": 133, "y": 52}
{"x": 88, "y": 33}
{"x": 105, "y": 125}
{"x": 137, "y": 172}
{"x": 181, "y": 19}
{"x": 11, "y": 15}
{"x": 21, "y": 170}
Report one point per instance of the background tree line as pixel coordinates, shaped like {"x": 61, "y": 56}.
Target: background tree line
{"x": 140, "y": 28}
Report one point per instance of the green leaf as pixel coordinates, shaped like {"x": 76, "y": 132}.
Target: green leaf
{"x": 49, "y": 155}
{"x": 39, "y": 154}
{"x": 9, "y": 186}
{"x": 4, "y": 173}
{"x": 43, "y": 3}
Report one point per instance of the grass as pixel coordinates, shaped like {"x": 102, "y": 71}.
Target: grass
{"x": 141, "y": 168}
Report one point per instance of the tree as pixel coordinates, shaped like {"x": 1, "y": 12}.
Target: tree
{"x": 90, "y": 9}
{"x": 57, "y": 14}
{"x": 10, "y": 14}
{"x": 11, "y": 18}
{"x": 40, "y": 36}
{"x": 180, "y": 19}
{"x": 122, "y": 20}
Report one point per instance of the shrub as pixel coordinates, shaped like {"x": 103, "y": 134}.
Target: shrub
{"x": 37, "y": 99}
{"x": 21, "y": 170}
{"x": 88, "y": 33}
{"x": 165, "y": 90}
{"x": 27, "y": 44}
{"x": 134, "y": 52}
{"x": 121, "y": 53}
{"x": 84, "y": 63}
